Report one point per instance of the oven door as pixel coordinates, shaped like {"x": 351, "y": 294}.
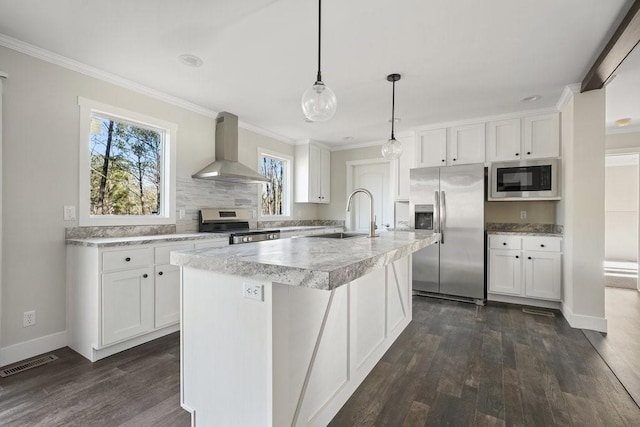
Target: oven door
{"x": 536, "y": 179}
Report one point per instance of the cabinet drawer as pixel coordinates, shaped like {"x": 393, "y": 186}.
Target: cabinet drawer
{"x": 162, "y": 252}
{"x": 127, "y": 258}
{"x": 541, "y": 244}
{"x": 504, "y": 242}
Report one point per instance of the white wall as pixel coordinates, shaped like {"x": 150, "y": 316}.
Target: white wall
{"x": 624, "y": 141}
{"x": 582, "y": 209}
{"x": 40, "y": 173}
{"x": 621, "y": 208}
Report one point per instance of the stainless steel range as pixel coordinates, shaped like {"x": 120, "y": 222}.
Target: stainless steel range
{"x": 235, "y": 222}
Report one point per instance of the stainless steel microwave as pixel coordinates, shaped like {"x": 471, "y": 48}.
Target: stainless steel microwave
{"x": 530, "y": 179}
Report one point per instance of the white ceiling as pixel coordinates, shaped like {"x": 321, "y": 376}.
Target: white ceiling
{"x": 458, "y": 59}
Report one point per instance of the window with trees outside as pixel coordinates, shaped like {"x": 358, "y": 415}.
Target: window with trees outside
{"x": 127, "y": 175}
{"x": 275, "y": 199}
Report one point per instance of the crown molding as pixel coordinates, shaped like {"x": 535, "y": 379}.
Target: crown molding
{"x": 567, "y": 94}
{"x": 377, "y": 143}
{"x": 265, "y": 132}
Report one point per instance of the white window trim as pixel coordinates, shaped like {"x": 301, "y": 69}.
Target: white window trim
{"x": 288, "y": 181}
{"x": 168, "y": 174}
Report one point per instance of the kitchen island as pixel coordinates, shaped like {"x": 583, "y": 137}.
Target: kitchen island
{"x": 282, "y": 332}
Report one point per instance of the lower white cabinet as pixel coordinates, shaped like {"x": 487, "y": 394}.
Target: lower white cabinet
{"x": 525, "y": 266}
{"x": 123, "y": 296}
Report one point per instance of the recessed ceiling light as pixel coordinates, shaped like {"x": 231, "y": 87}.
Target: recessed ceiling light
{"x": 348, "y": 138}
{"x": 623, "y": 122}
{"x": 531, "y": 98}
{"x": 395, "y": 120}
{"x": 190, "y": 60}
{"x": 306, "y": 120}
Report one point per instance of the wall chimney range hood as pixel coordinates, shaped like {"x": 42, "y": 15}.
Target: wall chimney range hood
{"x": 226, "y": 166}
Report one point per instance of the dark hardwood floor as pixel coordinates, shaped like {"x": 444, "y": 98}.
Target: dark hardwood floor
{"x": 456, "y": 364}
{"x": 620, "y": 347}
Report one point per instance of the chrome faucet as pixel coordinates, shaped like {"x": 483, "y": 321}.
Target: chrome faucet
{"x": 372, "y": 223}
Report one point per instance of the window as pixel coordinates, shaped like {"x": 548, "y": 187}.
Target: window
{"x": 275, "y": 200}
{"x": 127, "y": 167}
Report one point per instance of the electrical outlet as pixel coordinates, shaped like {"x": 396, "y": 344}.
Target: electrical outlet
{"x": 253, "y": 291}
{"x": 69, "y": 213}
{"x": 523, "y": 214}
{"x": 181, "y": 213}
{"x": 29, "y": 318}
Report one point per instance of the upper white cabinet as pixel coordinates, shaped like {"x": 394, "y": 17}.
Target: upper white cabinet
{"x": 312, "y": 174}
{"x": 431, "y": 148}
{"x": 541, "y": 136}
{"x": 400, "y": 167}
{"x": 458, "y": 145}
{"x": 535, "y": 137}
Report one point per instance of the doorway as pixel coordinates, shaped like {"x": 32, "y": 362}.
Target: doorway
{"x": 374, "y": 175}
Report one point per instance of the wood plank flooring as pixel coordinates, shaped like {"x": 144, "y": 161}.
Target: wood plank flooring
{"x": 620, "y": 347}
{"x": 459, "y": 364}
{"x": 456, "y": 364}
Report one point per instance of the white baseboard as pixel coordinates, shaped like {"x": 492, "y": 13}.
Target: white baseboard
{"x": 584, "y": 322}
{"x": 27, "y": 349}
{"x": 524, "y": 301}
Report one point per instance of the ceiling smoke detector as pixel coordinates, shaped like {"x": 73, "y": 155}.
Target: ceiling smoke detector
{"x": 623, "y": 122}
{"x": 531, "y": 98}
{"x": 190, "y": 60}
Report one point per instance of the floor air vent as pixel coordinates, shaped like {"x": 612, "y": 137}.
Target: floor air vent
{"x": 538, "y": 312}
{"x": 28, "y": 365}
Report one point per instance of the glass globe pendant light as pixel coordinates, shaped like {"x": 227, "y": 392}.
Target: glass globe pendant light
{"x": 392, "y": 149}
{"x": 319, "y": 103}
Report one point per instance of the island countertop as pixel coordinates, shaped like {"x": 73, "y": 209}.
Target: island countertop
{"x": 313, "y": 262}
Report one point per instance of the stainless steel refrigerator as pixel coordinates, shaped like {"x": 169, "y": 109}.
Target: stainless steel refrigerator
{"x": 450, "y": 200}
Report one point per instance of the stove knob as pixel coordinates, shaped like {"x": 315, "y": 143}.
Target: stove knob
{"x": 249, "y": 238}
{"x": 245, "y": 239}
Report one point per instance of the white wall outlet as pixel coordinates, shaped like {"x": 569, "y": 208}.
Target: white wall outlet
{"x": 253, "y": 291}
{"x": 523, "y": 214}
{"x": 69, "y": 213}
{"x": 29, "y": 318}
{"x": 181, "y": 213}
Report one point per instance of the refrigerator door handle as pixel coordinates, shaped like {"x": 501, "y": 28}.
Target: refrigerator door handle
{"x": 443, "y": 217}
{"x": 436, "y": 225}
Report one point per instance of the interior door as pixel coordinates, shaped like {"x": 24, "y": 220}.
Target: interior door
{"x": 375, "y": 178}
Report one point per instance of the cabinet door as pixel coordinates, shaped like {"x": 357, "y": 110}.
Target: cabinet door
{"x": 314, "y": 174}
{"x": 466, "y": 145}
{"x": 432, "y": 148}
{"x": 541, "y": 136}
{"x": 505, "y": 272}
{"x": 402, "y": 166}
{"x": 325, "y": 175}
{"x": 503, "y": 140}
{"x": 167, "y": 295}
{"x": 542, "y": 275}
{"x": 127, "y": 304}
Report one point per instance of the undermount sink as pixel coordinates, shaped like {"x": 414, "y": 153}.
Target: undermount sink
{"x": 339, "y": 235}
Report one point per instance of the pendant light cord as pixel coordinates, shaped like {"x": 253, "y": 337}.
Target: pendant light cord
{"x": 393, "y": 109}
{"x": 319, "y": 77}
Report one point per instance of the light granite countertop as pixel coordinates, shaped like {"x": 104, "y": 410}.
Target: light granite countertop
{"x": 103, "y": 242}
{"x": 523, "y": 233}
{"x": 314, "y": 262}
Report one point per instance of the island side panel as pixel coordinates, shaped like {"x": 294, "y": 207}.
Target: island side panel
{"x": 226, "y": 350}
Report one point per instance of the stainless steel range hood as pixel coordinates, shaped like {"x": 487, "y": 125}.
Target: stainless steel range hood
{"x": 226, "y": 167}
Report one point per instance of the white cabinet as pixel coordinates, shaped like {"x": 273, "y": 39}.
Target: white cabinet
{"x": 458, "y": 145}
{"x": 312, "y": 174}
{"x": 504, "y": 140}
{"x": 535, "y": 137}
{"x": 127, "y": 304}
{"x": 541, "y": 137}
{"x": 400, "y": 168}
{"x": 525, "y": 266}
{"x": 120, "y": 297}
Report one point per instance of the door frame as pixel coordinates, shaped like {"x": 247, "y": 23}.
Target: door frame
{"x": 349, "y": 181}
{"x": 626, "y": 152}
